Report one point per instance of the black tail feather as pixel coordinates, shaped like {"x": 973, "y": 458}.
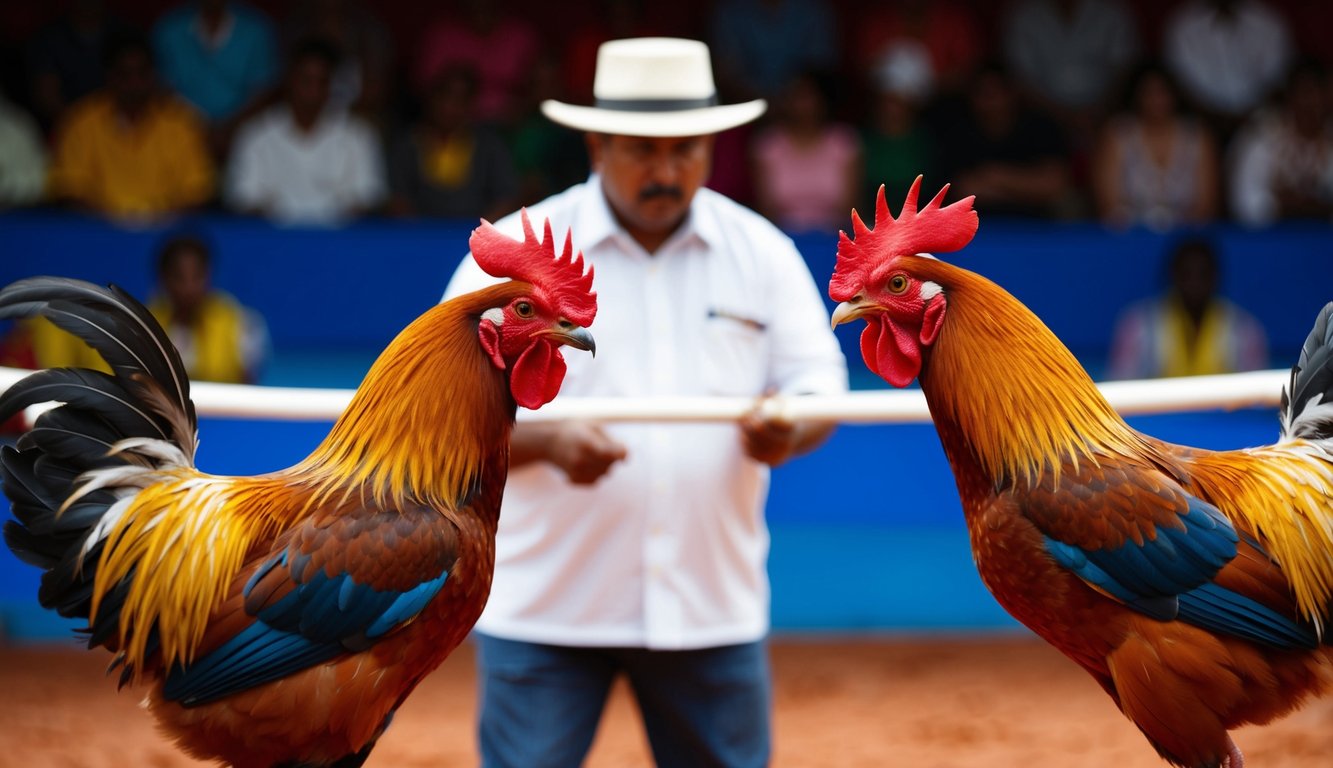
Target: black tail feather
{"x": 1307, "y": 402}
{"x": 91, "y": 391}
{"x": 147, "y": 397}
{"x": 78, "y": 442}
{"x": 38, "y": 551}
{"x": 112, "y": 322}
{"x": 29, "y": 495}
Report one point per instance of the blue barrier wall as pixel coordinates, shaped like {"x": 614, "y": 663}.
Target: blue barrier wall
{"x": 334, "y": 297}
{"x": 348, "y": 291}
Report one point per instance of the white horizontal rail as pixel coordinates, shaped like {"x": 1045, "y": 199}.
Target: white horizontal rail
{"x": 1196, "y": 393}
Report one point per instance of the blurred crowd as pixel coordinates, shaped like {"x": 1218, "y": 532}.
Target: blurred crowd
{"x": 1132, "y": 112}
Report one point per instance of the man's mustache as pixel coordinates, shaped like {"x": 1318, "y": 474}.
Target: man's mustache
{"x": 660, "y": 190}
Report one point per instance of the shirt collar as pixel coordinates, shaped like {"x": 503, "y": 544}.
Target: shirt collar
{"x": 596, "y": 223}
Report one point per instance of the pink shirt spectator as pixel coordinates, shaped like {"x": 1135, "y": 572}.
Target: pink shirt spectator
{"x": 806, "y": 187}
{"x": 502, "y": 57}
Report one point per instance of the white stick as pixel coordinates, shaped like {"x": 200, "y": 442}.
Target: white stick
{"x": 1259, "y": 388}
{"x": 1197, "y": 393}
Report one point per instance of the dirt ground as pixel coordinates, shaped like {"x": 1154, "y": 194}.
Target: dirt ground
{"x": 1007, "y": 702}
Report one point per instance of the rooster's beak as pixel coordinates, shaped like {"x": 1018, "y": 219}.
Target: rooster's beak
{"x": 850, "y": 310}
{"x": 575, "y": 336}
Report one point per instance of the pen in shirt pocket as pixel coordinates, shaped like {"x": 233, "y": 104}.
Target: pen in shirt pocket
{"x": 748, "y": 322}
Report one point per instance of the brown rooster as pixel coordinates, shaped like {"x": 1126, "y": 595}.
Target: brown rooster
{"x": 1195, "y": 586}
{"x": 280, "y": 620}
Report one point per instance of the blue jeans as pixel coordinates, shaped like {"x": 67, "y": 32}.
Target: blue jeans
{"x": 540, "y": 704}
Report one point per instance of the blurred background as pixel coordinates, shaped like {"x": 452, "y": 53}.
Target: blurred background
{"x": 307, "y": 173}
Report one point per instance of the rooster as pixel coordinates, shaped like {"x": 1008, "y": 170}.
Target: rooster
{"x": 1193, "y": 585}
{"x": 280, "y": 620}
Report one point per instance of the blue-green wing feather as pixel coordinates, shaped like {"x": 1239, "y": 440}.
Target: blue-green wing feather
{"x": 313, "y": 601}
{"x": 1139, "y": 537}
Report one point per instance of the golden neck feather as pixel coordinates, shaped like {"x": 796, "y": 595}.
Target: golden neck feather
{"x": 430, "y": 413}
{"x": 999, "y": 377}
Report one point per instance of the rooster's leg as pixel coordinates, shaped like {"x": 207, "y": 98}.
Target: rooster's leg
{"x": 1234, "y": 758}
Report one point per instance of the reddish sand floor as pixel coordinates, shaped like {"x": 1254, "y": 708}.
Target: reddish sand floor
{"x": 923, "y": 703}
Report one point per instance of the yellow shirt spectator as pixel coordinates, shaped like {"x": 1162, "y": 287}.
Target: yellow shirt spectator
{"x": 155, "y": 165}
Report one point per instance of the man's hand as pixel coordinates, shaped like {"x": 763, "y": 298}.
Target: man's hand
{"x": 584, "y": 451}
{"x": 772, "y": 438}
{"x": 769, "y": 439}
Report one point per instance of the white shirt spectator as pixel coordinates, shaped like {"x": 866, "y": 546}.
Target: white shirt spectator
{"x": 668, "y": 550}
{"x": 1228, "y": 62}
{"x": 325, "y": 176}
{"x": 1268, "y": 155}
{"x": 22, "y": 158}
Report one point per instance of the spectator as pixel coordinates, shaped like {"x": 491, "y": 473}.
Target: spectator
{"x": 66, "y": 60}
{"x": 1227, "y": 55}
{"x": 898, "y": 144}
{"x": 22, "y": 158}
{"x": 1071, "y": 55}
{"x": 1014, "y": 159}
{"x": 499, "y": 46}
{"x": 362, "y": 80}
{"x": 1155, "y": 166}
{"x": 807, "y": 168}
{"x": 218, "y": 339}
{"x": 220, "y": 56}
{"x": 946, "y": 33}
{"x": 131, "y": 150}
{"x": 639, "y": 549}
{"x": 760, "y": 45}
{"x": 1191, "y": 330}
{"x": 301, "y": 161}
{"x": 447, "y": 166}
{"x": 1281, "y": 160}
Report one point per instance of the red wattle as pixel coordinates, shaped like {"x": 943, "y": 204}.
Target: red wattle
{"x": 537, "y": 375}
{"x": 890, "y": 351}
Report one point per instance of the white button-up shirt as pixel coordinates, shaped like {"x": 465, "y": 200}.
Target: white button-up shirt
{"x": 668, "y": 550}
{"x": 320, "y": 177}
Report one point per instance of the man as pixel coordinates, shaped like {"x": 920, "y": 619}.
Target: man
{"x": 1191, "y": 329}
{"x": 303, "y": 161}
{"x": 218, "y": 338}
{"x": 221, "y": 56}
{"x": 131, "y": 150}
{"x": 640, "y": 548}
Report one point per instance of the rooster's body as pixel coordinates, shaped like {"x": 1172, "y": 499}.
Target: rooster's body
{"x": 279, "y": 619}
{"x": 1195, "y": 586}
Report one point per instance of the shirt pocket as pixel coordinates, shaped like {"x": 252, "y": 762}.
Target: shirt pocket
{"x": 735, "y": 345}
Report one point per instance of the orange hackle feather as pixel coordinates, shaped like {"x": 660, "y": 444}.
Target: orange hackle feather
{"x": 1036, "y": 448}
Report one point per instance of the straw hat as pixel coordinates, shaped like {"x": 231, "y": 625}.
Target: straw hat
{"x": 653, "y": 86}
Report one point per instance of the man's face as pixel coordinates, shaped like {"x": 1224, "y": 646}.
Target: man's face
{"x": 130, "y": 79}
{"x": 650, "y": 182}
{"x": 186, "y": 281}
{"x": 308, "y": 84}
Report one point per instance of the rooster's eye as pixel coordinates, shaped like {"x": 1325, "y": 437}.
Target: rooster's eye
{"x": 523, "y": 309}
{"x": 897, "y": 284}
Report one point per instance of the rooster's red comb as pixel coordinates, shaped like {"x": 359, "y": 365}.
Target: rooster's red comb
{"x": 559, "y": 280}
{"x": 930, "y": 230}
